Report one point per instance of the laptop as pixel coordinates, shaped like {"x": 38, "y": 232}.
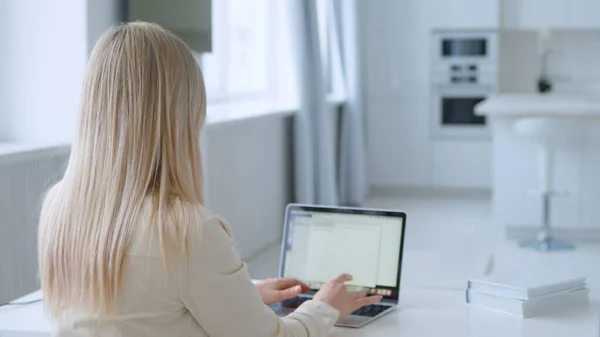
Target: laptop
{"x": 320, "y": 243}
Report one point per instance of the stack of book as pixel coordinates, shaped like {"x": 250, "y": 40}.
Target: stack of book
{"x": 527, "y": 294}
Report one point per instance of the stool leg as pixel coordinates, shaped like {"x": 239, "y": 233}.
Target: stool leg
{"x": 546, "y": 234}
{"x": 545, "y": 240}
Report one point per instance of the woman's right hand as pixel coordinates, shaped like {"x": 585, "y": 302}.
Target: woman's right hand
{"x": 346, "y": 302}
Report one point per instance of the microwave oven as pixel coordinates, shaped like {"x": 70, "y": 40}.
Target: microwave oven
{"x": 456, "y": 52}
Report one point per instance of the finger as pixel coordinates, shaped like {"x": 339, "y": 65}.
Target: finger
{"x": 290, "y": 282}
{"x": 289, "y": 293}
{"x": 358, "y": 294}
{"x": 363, "y": 301}
{"x": 343, "y": 278}
{"x": 305, "y": 288}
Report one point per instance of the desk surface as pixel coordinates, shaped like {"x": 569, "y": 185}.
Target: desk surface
{"x": 443, "y": 313}
{"x": 422, "y": 312}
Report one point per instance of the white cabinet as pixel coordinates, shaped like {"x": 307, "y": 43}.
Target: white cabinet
{"x": 465, "y": 14}
{"x": 381, "y": 70}
{"x": 396, "y": 60}
{"x": 583, "y": 14}
{"x": 396, "y": 41}
{"x": 395, "y": 48}
{"x": 398, "y": 144}
{"x": 462, "y": 164}
{"x": 533, "y": 14}
{"x": 550, "y": 14}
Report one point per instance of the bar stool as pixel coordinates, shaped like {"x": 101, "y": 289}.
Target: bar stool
{"x": 549, "y": 134}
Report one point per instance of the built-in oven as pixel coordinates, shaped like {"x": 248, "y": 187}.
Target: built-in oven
{"x": 454, "y": 112}
{"x": 464, "y": 71}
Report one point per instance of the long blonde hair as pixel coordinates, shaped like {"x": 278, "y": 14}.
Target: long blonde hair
{"x": 142, "y": 107}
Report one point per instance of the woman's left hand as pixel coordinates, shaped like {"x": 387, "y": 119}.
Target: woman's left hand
{"x": 277, "y": 289}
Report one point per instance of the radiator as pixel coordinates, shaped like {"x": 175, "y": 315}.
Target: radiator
{"x": 24, "y": 178}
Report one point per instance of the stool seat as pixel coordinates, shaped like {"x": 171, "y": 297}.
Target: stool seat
{"x": 550, "y": 132}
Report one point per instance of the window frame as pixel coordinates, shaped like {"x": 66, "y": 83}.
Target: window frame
{"x": 333, "y": 76}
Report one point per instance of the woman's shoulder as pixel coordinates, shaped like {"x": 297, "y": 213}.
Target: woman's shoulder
{"x": 194, "y": 216}
{"x": 205, "y": 222}
{"x": 187, "y": 222}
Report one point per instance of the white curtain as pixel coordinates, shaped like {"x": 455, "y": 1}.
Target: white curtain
{"x": 353, "y": 181}
{"x": 314, "y": 153}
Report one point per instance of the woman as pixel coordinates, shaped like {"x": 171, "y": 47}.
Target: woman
{"x": 125, "y": 246}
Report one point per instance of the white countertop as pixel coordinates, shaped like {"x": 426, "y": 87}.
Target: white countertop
{"x": 554, "y": 104}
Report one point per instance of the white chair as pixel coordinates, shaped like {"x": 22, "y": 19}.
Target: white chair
{"x": 549, "y": 134}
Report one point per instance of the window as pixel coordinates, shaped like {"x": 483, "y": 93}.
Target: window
{"x": 324, "y": 40}
{"x": 329, "y": 44}
{"x": 251, "y": 56}
{"x": 238, "y": 67}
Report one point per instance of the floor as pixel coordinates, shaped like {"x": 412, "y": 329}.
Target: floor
{"x": 446, "y": 240}
{"x": 451, "y": 239}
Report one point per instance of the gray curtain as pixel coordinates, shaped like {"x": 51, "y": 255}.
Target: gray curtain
{"x": 314, "y": 153}
{"x": 353, "y": 180}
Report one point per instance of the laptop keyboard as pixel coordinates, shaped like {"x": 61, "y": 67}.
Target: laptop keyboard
{"x": 295, "y": 302}
{"x": 371, "y": 310}
{"x": 368, "y": 311}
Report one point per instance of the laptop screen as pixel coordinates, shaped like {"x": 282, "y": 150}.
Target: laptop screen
{"x": 322, "y": 243}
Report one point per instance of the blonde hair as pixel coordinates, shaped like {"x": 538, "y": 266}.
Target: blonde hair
{"x": 142, "y": 107}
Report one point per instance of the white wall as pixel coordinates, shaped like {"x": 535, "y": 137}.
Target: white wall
{"x": 396, "y": 68}
{"x": 43, "y": 43}
{"x": 45, "y": 47}
{"x": 249, "y": 178}
{"x": 573, "y": 64}
{"x": 5, "y": 58}
{"x": 101, "y": 15}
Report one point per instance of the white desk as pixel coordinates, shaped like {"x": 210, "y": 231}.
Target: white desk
{"x": 423, "y": 312}
{"x": 27, "y": 317}
{"x": 443, "y": 313}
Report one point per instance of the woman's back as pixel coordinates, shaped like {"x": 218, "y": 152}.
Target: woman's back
{"x": 151, "y": 299}
{"x": 202, "y": 290}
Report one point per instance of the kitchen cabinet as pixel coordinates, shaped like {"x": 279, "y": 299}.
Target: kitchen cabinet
{"x": 396, "y": 48}
{"x": 461, "y": 164}
{"x": 398, "y": 143}
{"x": 582, "y": 14}
{"x": 381, "y": 71}
{"x": 533, "y": 14}
{"x": 396, "y": 72}
{"x": 550, "y": 14}
{"x": 465, "y": 14}
{"x": 396, "y": 45}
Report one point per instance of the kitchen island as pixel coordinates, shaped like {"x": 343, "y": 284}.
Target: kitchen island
{"x": 515, "y": 162}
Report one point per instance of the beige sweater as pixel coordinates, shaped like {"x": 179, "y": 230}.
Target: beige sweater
{"x": 211, "y": 296}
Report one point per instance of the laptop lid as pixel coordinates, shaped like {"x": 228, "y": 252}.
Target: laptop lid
{"x": 319, "y": 243}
